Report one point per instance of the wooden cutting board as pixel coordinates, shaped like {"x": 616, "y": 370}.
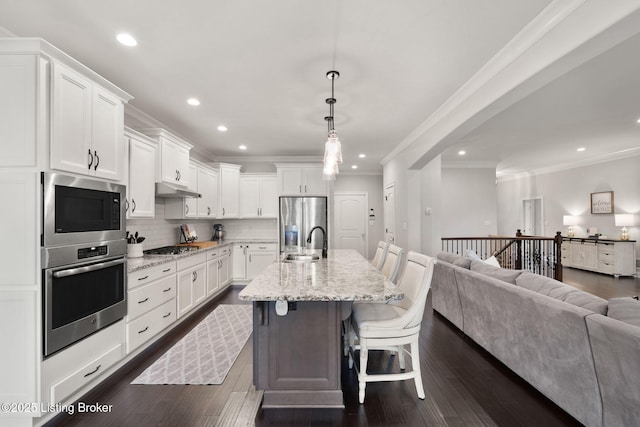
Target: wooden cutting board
{"x": 201, "y": 245}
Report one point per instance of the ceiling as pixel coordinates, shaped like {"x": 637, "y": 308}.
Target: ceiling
{"x": 259, "y": 68}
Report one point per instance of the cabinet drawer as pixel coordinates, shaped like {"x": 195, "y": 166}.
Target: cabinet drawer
{"x": 190, "y": 261}
{"x": 148, "y": 275}
{"x": 606, "y": 267}
{"x": 263, "y": 246}
{"x": 144, "y": 298}
{"x": 84, "y": 375}
{"x": 216, "y": 253}
{"x": 148, "y": 325}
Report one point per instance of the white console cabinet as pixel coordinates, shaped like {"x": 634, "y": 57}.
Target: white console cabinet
{"x": 615, "y": 257}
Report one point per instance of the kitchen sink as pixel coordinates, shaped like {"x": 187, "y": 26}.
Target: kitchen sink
{"x": 301, "y": 258}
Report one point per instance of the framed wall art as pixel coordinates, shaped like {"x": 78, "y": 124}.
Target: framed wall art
{"x": 602, "y": 203}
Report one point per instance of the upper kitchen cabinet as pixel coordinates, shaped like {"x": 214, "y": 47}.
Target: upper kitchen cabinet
{"x": 300, "y": 179}
{"x": 228, "y": 190}
{"x": 172, "y": 164}
{"x": 87, "y": 124}
{"x": 18, "y": 112}
{"x": 141, "y": 188}
{"x": 208, "y": 187}
{"x": 258, "y": 196}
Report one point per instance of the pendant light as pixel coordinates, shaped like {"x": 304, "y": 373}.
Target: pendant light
{"x": 332, "y": 148}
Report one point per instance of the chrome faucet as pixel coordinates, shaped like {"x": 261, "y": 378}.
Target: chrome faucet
{"x": 324, "y": 239}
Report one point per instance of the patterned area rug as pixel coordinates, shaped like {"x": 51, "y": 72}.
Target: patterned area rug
{"x": 207, "y": 352}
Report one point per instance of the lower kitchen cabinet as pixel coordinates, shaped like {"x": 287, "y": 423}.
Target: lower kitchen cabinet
{"x": 70, "y": 370}
{"x": 218, "y": 277}
{"x": 192, "y": 282}
{"x": 150, "y": 324}
{"x": 239, "y": 261}
{"x": 259, "y": 257}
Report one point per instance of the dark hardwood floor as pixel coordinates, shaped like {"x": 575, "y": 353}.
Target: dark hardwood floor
{"x": 465, "y": 386}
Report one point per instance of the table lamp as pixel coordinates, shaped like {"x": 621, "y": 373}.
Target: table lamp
{"x": 570, "y": 220}
{"x": 624, "y": 220}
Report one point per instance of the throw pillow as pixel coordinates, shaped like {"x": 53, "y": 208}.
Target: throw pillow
{"x": 492, "y": 261}
{"x": 471, "y": 254}
{"x": 463, "y": 262}
{"x": 625, "y": 309}
{"x": 503, "y": 274}
{"x": 448, "y": 257}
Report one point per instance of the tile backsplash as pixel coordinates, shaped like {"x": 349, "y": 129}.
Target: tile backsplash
{"x": 164, "y": 232}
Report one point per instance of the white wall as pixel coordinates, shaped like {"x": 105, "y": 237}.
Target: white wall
{"x": 469, "y": 202}
{"x": 431, "y": 197}
{"x": 372, "y": 185}
{"x": 568, "y": 192}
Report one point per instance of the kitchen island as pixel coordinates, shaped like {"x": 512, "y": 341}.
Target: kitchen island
{"x": 298, "y": 308}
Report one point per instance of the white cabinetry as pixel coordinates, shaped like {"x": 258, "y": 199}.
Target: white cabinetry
{"x": 202, "y": 180}
{"x": 172, "y": 160}
{"x": 228, "y": 190}
{"x": 151, "y": 303}
{"x": 192, "y": 282}
{"x": 239, "y": 257}
{"x": 218, "y": 277}
{"x": 300, "y": 179}
{"x": 258, "y": 196}
{"x": 259, "y": 257}
{"x": 615, "y": 257}
{"x": 141, "y": 189}
{"x": 208, "y": 188}
{"x": 86, "y": 126}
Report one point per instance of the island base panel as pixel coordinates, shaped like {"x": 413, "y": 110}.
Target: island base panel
{"x": 297, "y": 357}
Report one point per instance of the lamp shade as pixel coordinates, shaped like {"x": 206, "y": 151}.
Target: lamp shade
{"x": 570, "y": 220}
{"x": 624, "y": 220}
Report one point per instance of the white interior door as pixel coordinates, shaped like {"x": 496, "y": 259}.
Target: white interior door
{"x": 532, "y": 217}
{"x": 350, "y": 221}
{"x": 389, "y": 213}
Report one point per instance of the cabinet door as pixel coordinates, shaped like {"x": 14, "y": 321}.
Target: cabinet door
{"x": 229, "y": 192}
{"x": 107, "y": 126}
{"x": 71, "y": 122}
{"x": 174, "y": 163}
{"x": 258, "y": 261}
{"x": 576, "y": 255}
{"x": 199, "y": 284}
{"x": 269, "y": 197}
{"x": 185, "y": 299}
{"x": 290, "y": 180}
{"x": 207, "y": 186}
{"x": 18, "y": 111}
{"x": 225, "y": 276}
{"x": 313, "y": 183}
{"x": 213, "y": 282}
{"x": 590, "y": 255}
{"x": 141, "y": 181}
{"x": 249, "y": 196}
{"x": 239, "y": 265}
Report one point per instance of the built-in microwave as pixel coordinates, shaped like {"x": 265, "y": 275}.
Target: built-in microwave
{"x": 81, "y": 210}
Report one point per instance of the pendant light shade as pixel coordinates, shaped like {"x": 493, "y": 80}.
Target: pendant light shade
{"x": 332, "y": 148}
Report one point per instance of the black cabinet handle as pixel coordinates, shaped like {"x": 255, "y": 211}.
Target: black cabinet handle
{"x": 97, "y": 160}
{"x": 144, "y": 300}
{"x": 90, "y": 159}
{"x": 93, "y": 372}
{"x": 144, "y": 330}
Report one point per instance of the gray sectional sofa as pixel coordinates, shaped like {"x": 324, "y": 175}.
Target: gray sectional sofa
{"x": 557, "y": 338}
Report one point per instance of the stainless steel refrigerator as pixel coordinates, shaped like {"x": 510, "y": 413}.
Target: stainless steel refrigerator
{"x": 298, "y": 216}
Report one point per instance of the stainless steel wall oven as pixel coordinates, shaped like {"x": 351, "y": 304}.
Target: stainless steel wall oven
{"x": 83, "y": 258}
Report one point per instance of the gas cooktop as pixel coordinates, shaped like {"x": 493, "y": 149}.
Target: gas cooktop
{"x": 170, "y": 250}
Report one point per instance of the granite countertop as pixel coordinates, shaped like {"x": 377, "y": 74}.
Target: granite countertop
{"x": 344, "y": 276}
{"x": 140, "y": 263}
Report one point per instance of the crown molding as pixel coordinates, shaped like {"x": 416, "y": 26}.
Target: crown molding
{"x": 461, "y": 164}
{"x": 269, "y": 159}
{"x": 618, "y": 155}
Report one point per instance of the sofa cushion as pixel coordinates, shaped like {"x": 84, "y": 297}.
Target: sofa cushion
{"x": 560, "y": 291}
{"x": 448, "y": 257}
{"x": 625, "y": 309}
{"x": 463, "y": 262}
{"x": 498, "y": 273}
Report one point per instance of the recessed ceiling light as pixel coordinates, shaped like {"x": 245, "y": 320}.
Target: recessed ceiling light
{"x": 638, "y": 120}
{"x": 362, "y": 156}
{"x": 461, "y": 153}
{"x": 127, "y": 39}
{"x": 242, "y": 147}
{"x": 354, "y": 166}
{"x": 581, "y": 149}
{"x": 222, "y": 128}
{"x": 193, "y": 101}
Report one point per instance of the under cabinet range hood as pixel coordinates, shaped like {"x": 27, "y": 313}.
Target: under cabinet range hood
{"x": 173, "y": 192}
